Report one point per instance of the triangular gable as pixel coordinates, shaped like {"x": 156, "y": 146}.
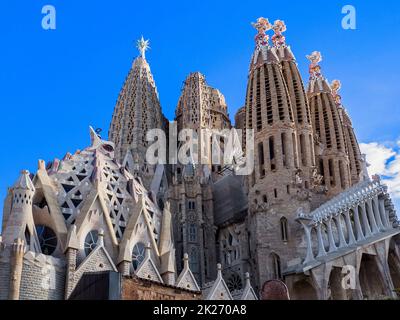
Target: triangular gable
{"x": 43, "y": 180}
{"x": 219, "y": 289}
{"x": 186, "y": 279}
{"x": 89, "y": 203}
{"x": 97, "y": 261}
{"x": 248, "y": 292}
{"x": 125, "y": 246}
{"x": 148, "y": 270}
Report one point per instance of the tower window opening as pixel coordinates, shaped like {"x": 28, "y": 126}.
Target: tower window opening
{"x": 192, "y": 232}
{"x": 342, "y": 174}
{"x": 303, "y": 149}
{"x": 270, "y": 117}
{"x": 272, "y": 153}
{"x": 284, "y": 229}
{"x": 250, "y": 104}
{"x": 265, "y": 198}
{"x": 331, "y": 173}
{"x": 261, "y": 159}
{"x": 328, "y": 137}
{"x": 335, "y": 119}
{"x": 276, "y": 193}
{"x": 276, "y": 266}
{"x": 284, "y": 157}
{"x": 322, "y": 170}
{"x": 258, "y": 103}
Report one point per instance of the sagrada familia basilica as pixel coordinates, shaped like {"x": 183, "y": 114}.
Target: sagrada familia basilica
{"x": 104, "y": 223}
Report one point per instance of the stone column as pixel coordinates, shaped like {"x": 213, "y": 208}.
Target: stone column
{"x": 16, "y": 262}
{"x": 71, "y": 267}
{"x": 332, "y": 244}
{"x": 359, "y": 232}
{"x": 123, "y": 268}
{"x": 310, "y": 254}
{"x": 385, "y": 217}
{"x": 321, "y": 245}
{"x": 365, "y": 221}
{"x": 352, "y": 239}
{"x": 357, "y": 292}
{"x": 386, "y": 278}
{"x": 342, "y": 240}
{"x": 371, "y": 216}
{"x": 378, "y": 215}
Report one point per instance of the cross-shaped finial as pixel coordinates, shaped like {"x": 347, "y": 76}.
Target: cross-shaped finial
{"x": 143, "y": 46}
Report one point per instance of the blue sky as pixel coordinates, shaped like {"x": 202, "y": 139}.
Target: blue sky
{"x": 54, "y": 84}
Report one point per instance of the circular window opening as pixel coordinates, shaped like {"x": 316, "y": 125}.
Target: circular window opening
{"x": 47, "y": 239}
{"x": 234, "y": 282}
{"x": 90, "y": 241}
{"x": 138, "y": 254}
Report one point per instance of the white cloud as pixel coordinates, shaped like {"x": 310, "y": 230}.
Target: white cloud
{"x": 384, "y": 160}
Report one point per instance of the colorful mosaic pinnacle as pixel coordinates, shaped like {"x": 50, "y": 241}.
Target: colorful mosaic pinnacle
{"x": 262, "y": 25}
{"x": 315, "y": 69}
{"x": 278, "y": 38}
{"x": 336, "y": 85}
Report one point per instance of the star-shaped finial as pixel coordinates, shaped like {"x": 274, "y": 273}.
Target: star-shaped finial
{"x": 143, "y": 46}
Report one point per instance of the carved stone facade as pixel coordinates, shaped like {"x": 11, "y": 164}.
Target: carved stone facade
{"x": 308, "y": 214}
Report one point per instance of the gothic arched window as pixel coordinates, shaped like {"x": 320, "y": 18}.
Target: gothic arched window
{"x": 194, "y": 260}
{"x": 90, "y": 241}
{"x": 47, "y": 239}
{"x": 284, "y": 229}
{"x": 192, "y": 232}
{"x": 138, "y": 254}
{"x": 276, "y": 266}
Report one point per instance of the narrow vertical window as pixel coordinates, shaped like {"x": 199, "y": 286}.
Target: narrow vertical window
{"x": 272, "y": 153}
{"x": 284, "y": 229}
{"x": 261, "y": 159}
{"x": 283, "y": 141}
{"x": 331, "y": 173}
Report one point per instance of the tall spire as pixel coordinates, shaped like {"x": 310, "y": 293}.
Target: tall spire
{"x": 143, "y": 46}
{"x": 137, "y": 111}
{"x": 329, "y": 132}
{"x": 352, "y": 145}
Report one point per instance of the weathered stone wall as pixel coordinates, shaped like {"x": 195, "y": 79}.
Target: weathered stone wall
{"x": 4, "y": 278}
{"x": 43, "y": 278}
{"x": 139, "y": 289}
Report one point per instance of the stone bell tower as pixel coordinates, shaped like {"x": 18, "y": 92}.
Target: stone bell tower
{"x": 356, "y": 160}
{"x": 300, "y": 105}
{"x": 331, "y": 155}
{"x": 276, "y": 187}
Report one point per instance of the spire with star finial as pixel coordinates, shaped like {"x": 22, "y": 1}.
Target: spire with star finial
{"x": 143, "y": 46}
